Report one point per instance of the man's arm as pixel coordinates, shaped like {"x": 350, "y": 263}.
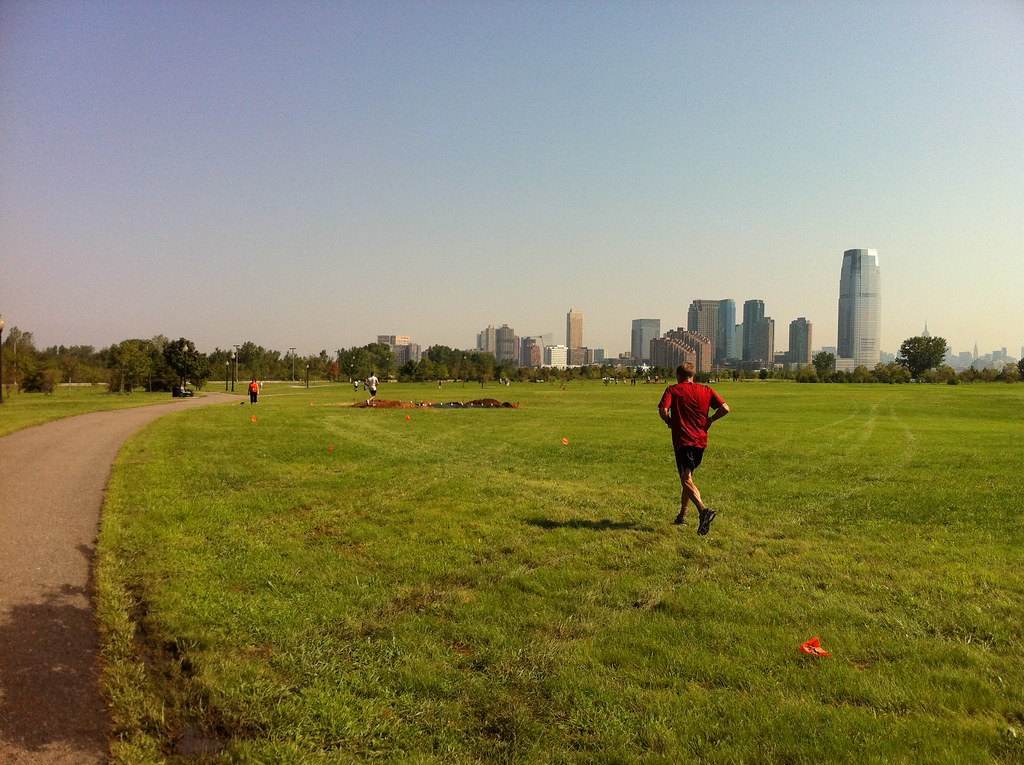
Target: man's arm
{"x": 665, "y": 408}
{"x": 720, "y": 412}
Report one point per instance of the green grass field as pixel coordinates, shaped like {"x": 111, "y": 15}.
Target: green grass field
{"x": 330, "y": 584}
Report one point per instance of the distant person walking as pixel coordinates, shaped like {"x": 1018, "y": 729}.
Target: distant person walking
{"x": 372, "y": 382}
{"x": 684, "y": 407}
{"x": 254, "y": 391}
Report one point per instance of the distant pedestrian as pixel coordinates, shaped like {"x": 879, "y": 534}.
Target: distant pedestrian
{"x": 372, "y": 382}
{"x": 355, "y": 386}
{"x": 684, "y": 408}
{"x": 254, "y": 391}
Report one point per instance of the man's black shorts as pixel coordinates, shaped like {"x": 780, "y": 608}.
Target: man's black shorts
{"x": 689, "y": 457}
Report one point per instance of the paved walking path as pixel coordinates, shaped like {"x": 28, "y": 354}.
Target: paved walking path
{"x": 52, "y": 480}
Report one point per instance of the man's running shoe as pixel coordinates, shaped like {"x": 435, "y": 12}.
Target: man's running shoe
{"x": 680, "y": 519}
{"x": 707, "y": 515}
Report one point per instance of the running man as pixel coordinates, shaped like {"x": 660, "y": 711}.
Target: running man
{"x": 371, "y": 382}
{"x": 684, "y": 408}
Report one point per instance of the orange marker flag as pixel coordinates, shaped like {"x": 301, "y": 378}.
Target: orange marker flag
{"x": 565, "y": 441}
{"x": 254, "y": 418}
{"x": 813, "y": 647}
{"x": 408, "y": 418}
{"x": 330, "y": 447}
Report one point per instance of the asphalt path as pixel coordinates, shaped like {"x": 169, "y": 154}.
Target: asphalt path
{"x": 52, "y": 481}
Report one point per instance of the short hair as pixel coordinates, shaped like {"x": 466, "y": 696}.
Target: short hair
{"x": 685, "y": 371}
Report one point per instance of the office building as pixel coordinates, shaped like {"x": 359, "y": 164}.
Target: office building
{"x": 753, "y": 312}
{"x": 860, "y": 310}
{"x": 531, "y": 352}
{"x": 574, "y": 328}
{"x": 506, "y": 344}
{"x": 578, "y": 357}
{"x": 556, "y": 356}
{"x": 800, "y": 341}
{"x": 407, "y": 352}
{"x": 762, "y": 343}
{"x": 487, "y": 340}
{"x": 725, "y": 341}
{"x": 403, "y": 347}
{"x": 644, "y": 330}
{"x": 702, "y": 319}
{"x": 679, "y": 346}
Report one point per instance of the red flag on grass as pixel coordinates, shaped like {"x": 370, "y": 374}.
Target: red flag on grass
{"x": 813, "y": 647}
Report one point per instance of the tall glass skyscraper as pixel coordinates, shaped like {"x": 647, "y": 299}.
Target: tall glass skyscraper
{"x": 725, "y": 343}
{"x": 860, "y": 310}
{"x": 644, "y": 330}
{"x": 753, "y": 312}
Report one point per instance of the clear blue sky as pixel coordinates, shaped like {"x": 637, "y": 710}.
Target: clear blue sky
{"x": 313, "y": 174}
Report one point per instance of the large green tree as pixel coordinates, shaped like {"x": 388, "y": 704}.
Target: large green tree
{"x": 131, "y": 363}
{"x": 188, "y": 363}
{"x": 919, "y": 354}
{"x": 824, "y": 363}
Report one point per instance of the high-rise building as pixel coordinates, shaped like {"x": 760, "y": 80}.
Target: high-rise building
{"x": 725, "y": 342}
{"x": 753, "y": 312}
{"x": 679, "y": 346}
{"x": 403, "y": 347}
{"x": 574, "y": 328}
{"x": 644, "y": 330}
{"x": 577, "y": 357}
{"x": 860, "y": 310}
{"x": 406, "y": 352}
{"x": 531, "y": 352}
{"x": 762, "y": 342}
{"x": 800, "y": 341}
{"x": 487, "y": 340}
{"x": 702, "y": 319}
{"x": 506, "y": 344}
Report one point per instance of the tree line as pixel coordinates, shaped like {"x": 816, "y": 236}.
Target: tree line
{"x": 154, "y": 364}
{"x": 159, "y": 364}
{"x": 920, "y": 359}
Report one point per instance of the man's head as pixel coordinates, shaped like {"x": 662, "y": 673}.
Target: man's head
{"x": 685, "y": 372}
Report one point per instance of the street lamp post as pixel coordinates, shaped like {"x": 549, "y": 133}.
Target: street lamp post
{"x": 293, "y": 363}
{"x": 227, "y": 374}
{"x": 1, "y": 359}
{"x": 234, "y": 370}
{"x": 307, "y": 376}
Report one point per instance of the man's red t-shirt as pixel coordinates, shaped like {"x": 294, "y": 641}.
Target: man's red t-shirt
{"x": 689, "y": 403}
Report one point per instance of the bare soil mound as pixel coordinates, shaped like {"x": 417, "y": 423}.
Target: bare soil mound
{"x": 480, "y": 403}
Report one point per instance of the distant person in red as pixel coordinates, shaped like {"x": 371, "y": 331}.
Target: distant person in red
{"x": 684, "y": 407}
{"x": 254, "y": 391}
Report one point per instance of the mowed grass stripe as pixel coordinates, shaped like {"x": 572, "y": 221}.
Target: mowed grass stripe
{"x": 462, "y": 586}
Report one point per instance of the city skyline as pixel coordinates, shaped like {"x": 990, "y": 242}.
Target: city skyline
{"x": 312, "y": 176}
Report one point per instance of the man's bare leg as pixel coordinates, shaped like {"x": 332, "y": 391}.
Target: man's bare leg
{"x": 690, "y": 493}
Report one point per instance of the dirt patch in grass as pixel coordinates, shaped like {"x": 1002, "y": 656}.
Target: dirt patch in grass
{"x": 479, "y": 403}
